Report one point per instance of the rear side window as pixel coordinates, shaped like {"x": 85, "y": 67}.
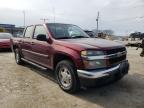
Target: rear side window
{"x": 29, "y": 32}
{"x": 39, "y": 29}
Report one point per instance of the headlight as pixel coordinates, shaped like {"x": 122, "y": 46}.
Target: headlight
{"x": 93, "y": 63}
{"x": 92, "y": 53}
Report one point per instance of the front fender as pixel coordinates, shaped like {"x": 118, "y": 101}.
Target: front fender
{"x": 71, "y": 53}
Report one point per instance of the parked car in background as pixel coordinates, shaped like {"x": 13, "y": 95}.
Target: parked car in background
{"x": 18, "y": 34}
{"x": 5, "y": 40}
{"x": 67, "y": 50}
{"x": 90, "y": 33}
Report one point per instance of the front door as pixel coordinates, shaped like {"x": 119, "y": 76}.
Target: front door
{"x": 41, "y": 49}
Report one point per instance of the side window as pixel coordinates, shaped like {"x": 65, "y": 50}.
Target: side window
{"x": 29, "y": 32}
{"x": 39, "y": 30}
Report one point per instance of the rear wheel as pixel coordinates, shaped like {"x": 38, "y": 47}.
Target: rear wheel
{"x": 67, "y": 77}
{"x": 18, "y": 57}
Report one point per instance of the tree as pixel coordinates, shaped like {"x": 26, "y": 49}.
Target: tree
{"x": 107, "y": 32}
{"x": 137, "y": 35}
{"x": 2, "y": 30}
{"x": 142, "y": 36}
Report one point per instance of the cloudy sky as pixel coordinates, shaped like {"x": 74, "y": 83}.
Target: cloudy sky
{"x": 122, "y": 16}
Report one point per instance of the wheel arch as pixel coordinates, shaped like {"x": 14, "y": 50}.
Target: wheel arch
{"x": 14, "y": 47}
{"x": 62, "y": 56}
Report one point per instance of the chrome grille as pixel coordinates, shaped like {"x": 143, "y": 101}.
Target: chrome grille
{"x": 116, "y": 55}
{"x": 116, "y": 50}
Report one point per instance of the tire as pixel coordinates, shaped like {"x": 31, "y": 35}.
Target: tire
{"x": 18, "y": 57}
{"x": 67, "y": 77}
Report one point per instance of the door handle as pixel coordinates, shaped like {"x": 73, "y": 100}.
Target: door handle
{"x": 32, "y": 43}
{"x": 21, "y": 41}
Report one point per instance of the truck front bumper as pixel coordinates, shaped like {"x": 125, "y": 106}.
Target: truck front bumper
{"x": 94, "y": 77}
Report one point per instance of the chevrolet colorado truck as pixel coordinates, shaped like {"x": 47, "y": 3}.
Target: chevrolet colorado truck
{"x": 75, "y": 58}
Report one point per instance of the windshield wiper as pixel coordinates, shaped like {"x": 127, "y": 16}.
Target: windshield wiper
{"x": 64, "y": 37}
{"x": 79, "y": 36}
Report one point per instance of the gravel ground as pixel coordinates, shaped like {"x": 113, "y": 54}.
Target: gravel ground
{"x": 29, "y": 87}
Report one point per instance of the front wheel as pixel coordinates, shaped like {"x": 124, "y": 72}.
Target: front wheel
{"x": 67, "y": 77}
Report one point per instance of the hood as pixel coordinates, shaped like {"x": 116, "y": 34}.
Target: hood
{"x": 90, "y": 43}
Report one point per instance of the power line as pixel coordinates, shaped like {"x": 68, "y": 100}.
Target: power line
{"x": 44, "y": 19}
{"x": 134, "y": 18}
{"x": 53, "y": 10}
{"x": 141, "y": 17}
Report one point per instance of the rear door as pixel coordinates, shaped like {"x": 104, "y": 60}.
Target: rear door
{"x": 26, "y": 42}
{"x": 41, "y": 49}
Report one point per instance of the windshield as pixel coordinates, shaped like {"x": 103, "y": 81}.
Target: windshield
{"x": 5, "y": 36}
{"x": 66, "y": 31}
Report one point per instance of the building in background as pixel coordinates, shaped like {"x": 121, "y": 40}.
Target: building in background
{"x": 10, "y": 28}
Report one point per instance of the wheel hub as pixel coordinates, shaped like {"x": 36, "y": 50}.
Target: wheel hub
{"x": 17, "y": 57}
{"x": 65, "y": 77}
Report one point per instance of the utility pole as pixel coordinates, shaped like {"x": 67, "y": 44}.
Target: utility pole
{"x": 97, "y": 20}
{"x": 44, "y": 19}
{"x": 24, "y": 18}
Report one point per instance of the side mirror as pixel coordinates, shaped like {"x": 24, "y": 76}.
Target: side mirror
{"x": 41, "y": 37}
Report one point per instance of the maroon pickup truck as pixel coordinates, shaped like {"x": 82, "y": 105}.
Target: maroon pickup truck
{"x": 76, "y": 59}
